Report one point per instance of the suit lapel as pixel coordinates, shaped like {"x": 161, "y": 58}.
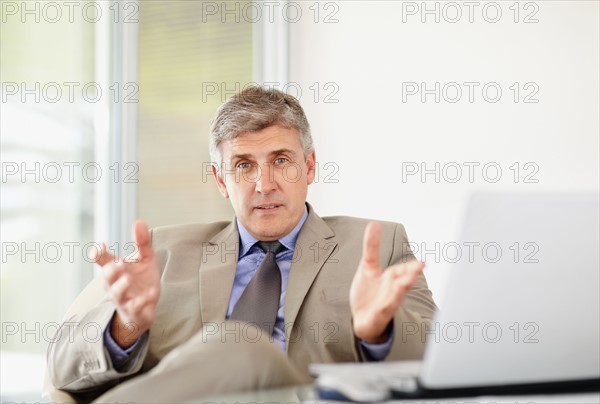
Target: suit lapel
{"x": 217, "y": 272}
{"x": 313, "y": 248}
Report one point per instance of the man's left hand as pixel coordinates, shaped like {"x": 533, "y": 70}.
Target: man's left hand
{"x": 376, "y": 294}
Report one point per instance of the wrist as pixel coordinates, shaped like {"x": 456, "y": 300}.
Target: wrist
{"x": 124, "y": 334}
{"x": 379, "y": 338}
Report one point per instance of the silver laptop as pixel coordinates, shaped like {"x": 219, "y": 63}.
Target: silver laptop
{"x": 521, "y": 311}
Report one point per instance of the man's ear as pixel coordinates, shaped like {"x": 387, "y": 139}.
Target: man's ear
{"x": 311, "y": 164}
{"x": 220, "y": 183}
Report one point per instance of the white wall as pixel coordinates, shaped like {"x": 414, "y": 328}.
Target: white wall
{"x": 371, "y": 134}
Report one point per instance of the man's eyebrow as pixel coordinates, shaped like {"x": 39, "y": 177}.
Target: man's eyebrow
{"x": 248, "y": 156}
{"x": 282, "y": 151}
{"x": 243, "y": 156}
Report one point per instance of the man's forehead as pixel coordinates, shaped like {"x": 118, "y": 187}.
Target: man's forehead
{"x": 263, "y": 142}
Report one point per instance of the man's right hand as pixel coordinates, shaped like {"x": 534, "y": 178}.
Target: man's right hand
{"x": 134, "y": 287}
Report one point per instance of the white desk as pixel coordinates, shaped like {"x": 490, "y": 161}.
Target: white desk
{"x": 305, "y": 394}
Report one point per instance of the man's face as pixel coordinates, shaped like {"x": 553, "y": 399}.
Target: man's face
{"x": 266, "y": 176}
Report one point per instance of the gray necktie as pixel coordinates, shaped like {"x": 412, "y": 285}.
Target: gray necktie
{"x": 260, "y": 301}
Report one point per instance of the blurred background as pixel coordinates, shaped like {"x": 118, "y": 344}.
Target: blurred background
{"x": 414, "y": 106}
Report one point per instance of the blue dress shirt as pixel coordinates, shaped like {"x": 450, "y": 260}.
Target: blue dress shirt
{"x": 250, "y": 257}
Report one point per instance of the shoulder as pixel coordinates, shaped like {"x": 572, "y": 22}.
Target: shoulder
{"x": 349, "y": 235}
{"x": 349, "y": 231}
{"x": 193, "y": 233}
{"x": 343, "y": 224}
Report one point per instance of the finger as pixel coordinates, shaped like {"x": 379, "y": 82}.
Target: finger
{"x": 406, "y": 281}
{"x": 102, "y": 257}
{"x": 391, "y": 298}
{"x": 409, "y": 268}
{"x": 403, "y": 282}
{"x": 141, "y": 308}
{"x": 112, "y": 272}
{"x": 402, "y": 276}
{"x": 414, "y": 269}
{"x": 137, "y": 304}
{"x": 152, "y": 294}
{"x": 371, "y": 242}
{"x": 141, "y": 237}
{"x": 401, "y": 288}
{"x": 119, "y": 289}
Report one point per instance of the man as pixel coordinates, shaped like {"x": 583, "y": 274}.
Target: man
{"x": 250, "y": 303}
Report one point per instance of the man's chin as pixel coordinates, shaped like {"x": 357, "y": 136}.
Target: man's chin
{"x": 268, "y": 228}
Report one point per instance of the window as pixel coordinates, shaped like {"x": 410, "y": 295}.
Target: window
{"x": 46, "y": 128}
{"x": 192, "y": 57}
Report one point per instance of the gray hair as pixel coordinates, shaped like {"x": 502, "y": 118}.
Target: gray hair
{"x": 253, "y": 109}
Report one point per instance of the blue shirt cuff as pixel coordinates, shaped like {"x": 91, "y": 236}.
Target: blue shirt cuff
{"x": 118, "y": 355}
{"x": 377, "y": 352}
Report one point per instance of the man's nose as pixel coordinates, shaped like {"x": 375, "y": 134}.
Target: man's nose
{"x": 265, "y": 183}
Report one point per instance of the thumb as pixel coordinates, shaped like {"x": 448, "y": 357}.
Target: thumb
{"x": 141, "y": 238}
{"x": 102, "y": 257}
{"x": 371, "y": 243}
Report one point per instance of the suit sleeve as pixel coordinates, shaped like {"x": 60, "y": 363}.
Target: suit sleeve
{"x": 415, "y": 313}
{"x": 79, "y": 362}
{"x": 414, "y": 316}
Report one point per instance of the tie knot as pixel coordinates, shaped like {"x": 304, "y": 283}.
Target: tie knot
{"x": 271, "y": 246}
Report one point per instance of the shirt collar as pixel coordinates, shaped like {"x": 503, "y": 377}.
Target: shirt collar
{"x": 289, "y": 240}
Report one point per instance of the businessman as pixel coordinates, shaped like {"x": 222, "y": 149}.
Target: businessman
{"x": 246, "y": 304}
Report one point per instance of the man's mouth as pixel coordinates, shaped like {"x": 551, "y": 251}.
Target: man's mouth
{"x": 268, "y": 206}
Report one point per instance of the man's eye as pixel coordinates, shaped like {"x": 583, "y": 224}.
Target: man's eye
{"x": 244, "y": 166}
{"x": 281, "y": 160}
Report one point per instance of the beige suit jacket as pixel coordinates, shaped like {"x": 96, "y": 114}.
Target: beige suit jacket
{"x": 198, "y": 264}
